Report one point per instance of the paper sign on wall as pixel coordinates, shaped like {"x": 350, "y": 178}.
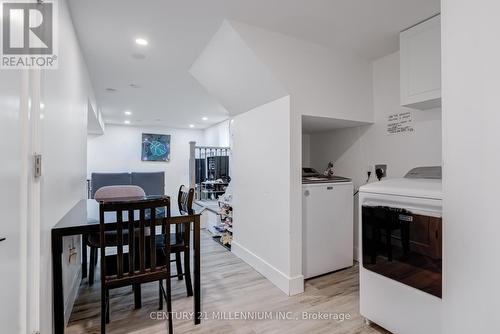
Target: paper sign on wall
{"x": 400, "y": 123}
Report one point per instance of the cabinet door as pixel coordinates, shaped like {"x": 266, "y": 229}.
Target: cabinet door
{"x": 421, "y": 65}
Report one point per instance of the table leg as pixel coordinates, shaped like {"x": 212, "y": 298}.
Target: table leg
{"x": 197, "y": 278}
{"x": 84, "y": 256}
{"x": 57, "y": 283}
{"x": 137, "y": 296}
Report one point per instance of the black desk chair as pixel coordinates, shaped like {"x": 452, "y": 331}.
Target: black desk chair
{"x": 147, "y": 259}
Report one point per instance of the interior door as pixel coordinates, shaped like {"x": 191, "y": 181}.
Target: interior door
{"x": 13, "y": 249}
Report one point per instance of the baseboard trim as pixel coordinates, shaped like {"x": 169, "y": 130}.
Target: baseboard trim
{"x": 289, "y": 285}
{"x": 355, "y": 254}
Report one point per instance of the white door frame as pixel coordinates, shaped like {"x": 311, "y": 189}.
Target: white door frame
{"x": 24, "y": 137}
{"x": 34, "y": 204}
{"x": 30, "y": 137}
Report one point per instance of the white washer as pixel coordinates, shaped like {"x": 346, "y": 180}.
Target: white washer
{"x": 396, "y": 306}
{"x": 327, "y": 233}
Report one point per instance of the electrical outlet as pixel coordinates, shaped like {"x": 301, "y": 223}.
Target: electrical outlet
{"x": 383, "y": 168}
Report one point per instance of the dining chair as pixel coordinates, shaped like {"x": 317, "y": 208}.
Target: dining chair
{"x": 93, "y": 240}
{"x": 180, "y": 241}
{"x": 146, "y": 260}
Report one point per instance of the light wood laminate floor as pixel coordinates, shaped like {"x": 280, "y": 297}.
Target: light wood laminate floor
{"x": 228, "y": 285}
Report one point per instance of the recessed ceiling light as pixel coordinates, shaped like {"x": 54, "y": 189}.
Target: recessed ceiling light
{"x": 205, "y": 118}
{"x": 42, "y": 116}
{"x": 127, "y": 112}
{"x": 42, "y": 105}
{"x": 127, "y": 122}
{"x": 191, "y": 125}
{"x": 141, "y": 41}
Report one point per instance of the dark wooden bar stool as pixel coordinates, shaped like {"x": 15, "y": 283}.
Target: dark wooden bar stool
{"x": 181, "y": 239}
{"x": 147, "y": 260}
{"x": 93, "y": 240}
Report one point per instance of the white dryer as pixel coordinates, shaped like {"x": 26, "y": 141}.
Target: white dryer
{"x": 401, "y": 252}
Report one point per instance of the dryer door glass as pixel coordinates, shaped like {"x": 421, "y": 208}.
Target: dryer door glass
{"x": 403, "y": 246}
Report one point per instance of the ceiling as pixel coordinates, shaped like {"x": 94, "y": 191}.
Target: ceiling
{"x": 153, "y": 81}
{"x": 313, "y": 124}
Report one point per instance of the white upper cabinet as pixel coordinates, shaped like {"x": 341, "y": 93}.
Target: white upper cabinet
{"x": 421, "y": 65}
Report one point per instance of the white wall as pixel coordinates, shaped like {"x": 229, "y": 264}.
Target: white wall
{"x": 230, "y": 71}
{"x": 217, "y": 135}
{"x": 471, "y": 146}
{"x": 306, "y": 150}
{"x": 95, "y": 122}
{"x": 65, "y": 93}
{"x": 295, "y": 197}
{"x": 119, "y": 150}
{"x": 261, "y": 199}
{"x": 354, "y": 151}
{"x": 321, "y": 81}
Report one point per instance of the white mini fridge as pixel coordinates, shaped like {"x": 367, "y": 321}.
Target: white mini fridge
{"x": 327, "y": 227}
